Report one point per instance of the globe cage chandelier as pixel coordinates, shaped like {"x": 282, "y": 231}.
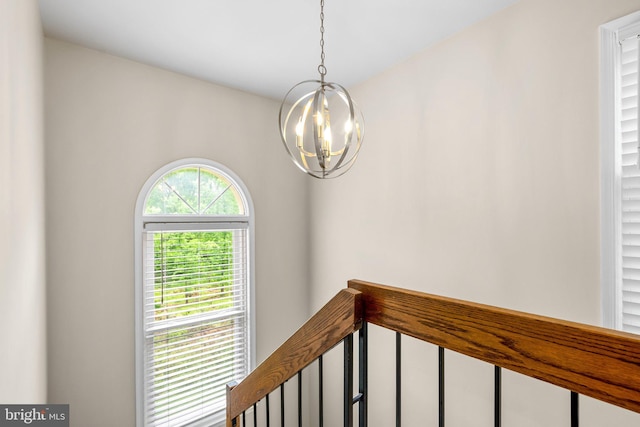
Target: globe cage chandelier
{"x": 323, "y": 128}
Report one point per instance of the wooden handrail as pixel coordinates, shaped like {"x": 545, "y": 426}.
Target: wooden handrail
{"x": 593, "y": 361}
{"x": 338, "y": 318}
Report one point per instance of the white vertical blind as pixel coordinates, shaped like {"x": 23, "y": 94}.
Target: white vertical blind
{"x": 629, "y": 189}
{"x": 195, "y": 321}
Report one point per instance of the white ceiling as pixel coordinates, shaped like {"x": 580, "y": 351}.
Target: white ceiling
{"x": 263, "y": 47}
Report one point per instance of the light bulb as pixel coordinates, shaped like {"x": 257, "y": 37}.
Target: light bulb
{"x": 348, "y": 126}
{"x": 299, "y": 133}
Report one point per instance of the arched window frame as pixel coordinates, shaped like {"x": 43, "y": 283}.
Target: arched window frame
{"x": 177, "y": 222}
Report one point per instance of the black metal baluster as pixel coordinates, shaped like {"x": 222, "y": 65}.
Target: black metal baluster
{"x": 282, "y": 405}
{"x": 497, "y": 397}
{"x": 364, "y": 372}
{"x": 244, "y": 419}
{"x": 440, "y": 387}
{"x": 267, "y": 401}
{"x": 299, "y": 398}
{"x": 348, "y": 381}
{"x": 255, "y": 415}
{"x": 321, "y": 393}
{"x": 398, "y": 379}
{"x": 575, "y": 419}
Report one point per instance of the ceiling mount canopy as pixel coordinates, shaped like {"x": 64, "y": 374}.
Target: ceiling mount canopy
{"x": 320, "y": 125}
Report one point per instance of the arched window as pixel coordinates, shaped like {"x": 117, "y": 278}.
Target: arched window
{"x": 194, "y": 226}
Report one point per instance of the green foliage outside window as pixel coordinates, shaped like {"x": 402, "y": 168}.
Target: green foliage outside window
{"x": 194, "y": 191}
{"x": 194, "y": 272}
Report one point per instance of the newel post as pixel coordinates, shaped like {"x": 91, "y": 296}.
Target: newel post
{"x": 231, "y": 422}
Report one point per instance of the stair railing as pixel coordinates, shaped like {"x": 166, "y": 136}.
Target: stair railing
{"x": 335, "y": 322}
{"x": 597, "y": 362}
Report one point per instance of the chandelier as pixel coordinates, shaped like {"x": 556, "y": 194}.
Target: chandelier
{"x": 320, "y": 125}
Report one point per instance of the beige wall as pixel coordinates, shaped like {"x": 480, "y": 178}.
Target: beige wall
{"x": 111, "y": 123}
{"x": 22, "y": 274}
{"x": 478, "y": 179}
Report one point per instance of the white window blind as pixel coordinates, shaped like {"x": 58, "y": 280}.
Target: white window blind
{"x": 628, "y": 196}
{"x": 195, "y": 323}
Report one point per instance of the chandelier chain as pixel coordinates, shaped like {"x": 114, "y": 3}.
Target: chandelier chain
{"x": 321, "y": 68}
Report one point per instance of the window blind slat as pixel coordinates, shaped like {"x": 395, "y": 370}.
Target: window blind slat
{"x": 186, "y": 384}
{"x": 174, "y": 353}
{"x": 630, "y": 285}
{"x": 631, "y": 314}
{"x": 192, "y": 380}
